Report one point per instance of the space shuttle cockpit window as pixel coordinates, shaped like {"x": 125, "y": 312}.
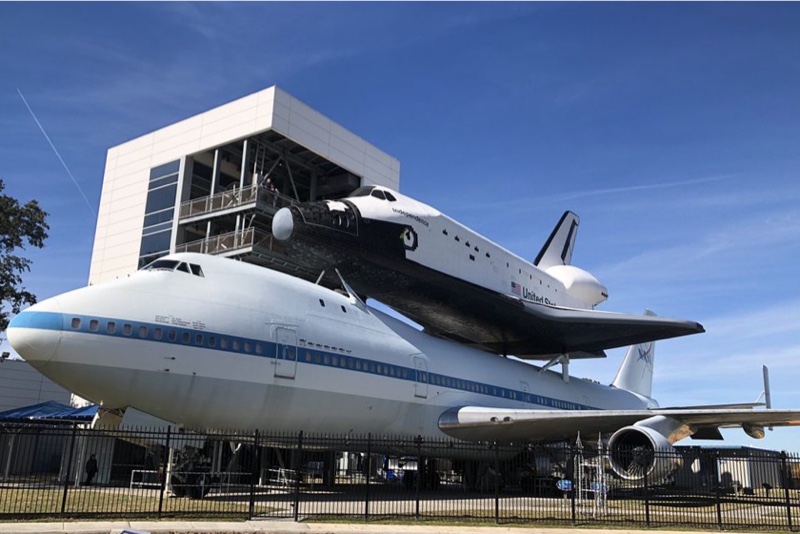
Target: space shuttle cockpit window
{"x": 197, "y": 270}
{"x": 389, "y": 196}
{"x": 377, "y": 193}
{"x": 362, "y": 191}
{"x": 183, "y": 268}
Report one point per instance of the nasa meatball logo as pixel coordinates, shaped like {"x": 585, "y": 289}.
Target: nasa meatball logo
{"x": 409, "y": 237}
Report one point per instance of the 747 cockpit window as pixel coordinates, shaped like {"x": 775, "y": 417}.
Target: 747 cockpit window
{"x": 173, "y": 265}
{"x": 161, "y": 265}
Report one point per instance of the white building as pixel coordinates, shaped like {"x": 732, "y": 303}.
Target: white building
{"x": 22, "y": 385}
{"x": 201, "y": 184}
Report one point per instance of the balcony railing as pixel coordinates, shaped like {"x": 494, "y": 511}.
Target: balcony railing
{"x": 235, "y": 198}
{"x": 233, "y": 242}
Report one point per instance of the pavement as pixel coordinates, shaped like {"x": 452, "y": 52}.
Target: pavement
{"x": 283, "y": 527}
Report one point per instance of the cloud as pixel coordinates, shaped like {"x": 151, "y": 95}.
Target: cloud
{"x": 526, "y": 202}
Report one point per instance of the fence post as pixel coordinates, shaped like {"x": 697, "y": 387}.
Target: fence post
{"x": 496, "y": 484}
{"x": 164, "y": 466}
{"x": 572, "y": 489}
{"x": 647, "y": 493}
{"x": 297, "y": 476}
{"x": 717, "y": 490}
{"x": 256, "y": 459}
{"x": 69, "y": 467}
{"x": 418, "y": 439}
{"x": 369, "y": 470}
{"x": 785, "y": 484}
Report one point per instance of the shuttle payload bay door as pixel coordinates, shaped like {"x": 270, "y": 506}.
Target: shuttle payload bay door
{"x": 421, "y": 378}
{"x": 285, "y": 352}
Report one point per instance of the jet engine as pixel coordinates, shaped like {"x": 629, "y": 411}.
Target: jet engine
{"x": 638, "y": 450}
{"x": 579, "y": 283}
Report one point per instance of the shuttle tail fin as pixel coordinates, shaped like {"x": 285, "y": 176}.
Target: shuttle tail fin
{"x": 557, "y": 250}
{"x": 636, "y": 372}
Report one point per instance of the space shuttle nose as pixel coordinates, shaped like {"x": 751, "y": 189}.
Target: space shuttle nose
{"x": 35, "y": 334}
{"x": 283, "y": 224}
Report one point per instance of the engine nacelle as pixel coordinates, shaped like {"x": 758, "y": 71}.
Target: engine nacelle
{"x": 579, "y": 283}
{"x": 754, "y": 431}
{"x": 638, "y": 450}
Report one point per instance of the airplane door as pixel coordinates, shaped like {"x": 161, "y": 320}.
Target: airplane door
{"x": 421, "y": 376}
{"x": 285, "y": 352}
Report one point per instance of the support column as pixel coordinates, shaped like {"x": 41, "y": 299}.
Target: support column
{"x": 245, "y": 164}
{"x": 215, "y": 172}
{"x": 312, "y": 193}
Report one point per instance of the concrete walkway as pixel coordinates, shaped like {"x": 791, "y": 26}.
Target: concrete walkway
{"x": 283, "y": 527}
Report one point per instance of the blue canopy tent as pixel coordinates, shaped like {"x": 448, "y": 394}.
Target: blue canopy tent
{"x": 49, "y": 411}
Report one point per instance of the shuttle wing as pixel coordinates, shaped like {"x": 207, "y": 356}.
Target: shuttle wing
{"x": 592, "y": 331}
{"x": 478, "y": 423}
{"x": 531, "y": 330}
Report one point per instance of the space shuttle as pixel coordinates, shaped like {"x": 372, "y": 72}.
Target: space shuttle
{"x": 209, "y": 342}
{"x": 458, "y": 284}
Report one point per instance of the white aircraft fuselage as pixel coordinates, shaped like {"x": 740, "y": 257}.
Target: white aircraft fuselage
{"x": 212, "y": 343}
{"x": 243, "y": 347}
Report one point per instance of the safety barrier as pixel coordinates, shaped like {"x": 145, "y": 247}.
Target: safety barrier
{"x": 46, "y": 472}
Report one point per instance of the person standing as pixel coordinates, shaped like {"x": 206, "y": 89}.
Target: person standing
{"x": 91, "y": 469}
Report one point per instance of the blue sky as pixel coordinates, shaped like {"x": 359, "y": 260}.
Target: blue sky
{"x": 672, "y": 129}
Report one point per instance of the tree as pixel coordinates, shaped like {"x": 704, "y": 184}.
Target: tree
{"x": 18, "y": 224}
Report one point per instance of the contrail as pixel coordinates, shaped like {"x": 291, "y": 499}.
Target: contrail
{"x": 74, "y": 181}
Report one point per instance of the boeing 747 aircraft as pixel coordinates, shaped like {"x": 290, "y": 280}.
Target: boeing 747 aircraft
{"x": 209, "y": 342}
{"x": 460, "y": 285}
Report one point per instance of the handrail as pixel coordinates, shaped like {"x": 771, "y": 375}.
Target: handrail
{"x": 231, "y": 241}
{"x": 234, "y": 198}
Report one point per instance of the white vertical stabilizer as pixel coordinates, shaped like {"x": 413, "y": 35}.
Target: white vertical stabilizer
{"x": 636, "y": 372}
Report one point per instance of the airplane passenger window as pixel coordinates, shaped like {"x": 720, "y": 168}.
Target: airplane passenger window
{"x": 377, "y": 193}
{"x": 322, "y": 303}
{"x": 111, "y": 327}
{"x": 76, "y": 323}
{"x": 259, "y": 348}
{"x": 142, "y": 331}
{"x": 185, "y": 337}
{"x": 127, "y": 329}
{"x": 94, "y": 325}
{"x": 197, "y": 270}
{"x": 236, "y": 344}
{"x": 198, "y": 340}
{"x": 212, "y": 341}
{"x": 173, "y": 335}
{"x": 247, "y": 346}
{"x": 157, "y": 333}
{"x": 183, "y": 267}
{"x": 389, "y": 196}
{"x": 223, "y": 342}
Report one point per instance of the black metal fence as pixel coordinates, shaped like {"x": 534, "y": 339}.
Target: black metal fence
{"x": 46, "y": 471}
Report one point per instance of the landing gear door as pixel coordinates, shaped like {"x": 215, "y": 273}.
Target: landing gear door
{"x": 285, "y": 352}
{"x": 421, "y": 376}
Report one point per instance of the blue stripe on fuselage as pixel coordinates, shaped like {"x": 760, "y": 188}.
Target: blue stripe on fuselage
{"x": 38, "y": 320}
{"x": 306, "y": 353}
